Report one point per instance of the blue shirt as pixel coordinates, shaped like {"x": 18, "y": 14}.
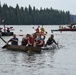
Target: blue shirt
{"x": 14, "y": 41}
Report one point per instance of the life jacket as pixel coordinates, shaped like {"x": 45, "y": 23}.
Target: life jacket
{"x": 31, "y": 40}
{"x": 37, "y": 30}
{"x": 42, "y": 30}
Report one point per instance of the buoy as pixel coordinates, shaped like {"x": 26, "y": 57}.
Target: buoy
{"x": 21, "y": 35}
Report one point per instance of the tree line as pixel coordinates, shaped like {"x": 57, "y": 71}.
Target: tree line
{"x": 32, "y": 16}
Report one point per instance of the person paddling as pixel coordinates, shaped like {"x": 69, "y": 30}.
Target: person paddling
{"x": 51, "y": 40}
{"x": 39, "y": 41}
{"x": 24, "y": 41}
{"x": 14, "y": 40}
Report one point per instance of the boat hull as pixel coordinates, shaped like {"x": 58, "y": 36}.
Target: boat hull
{"x": 6, "y": 33}
{"x": 30, "y": 49}
{"x": 67, "y": 29}
{"x": 23, "y": 48}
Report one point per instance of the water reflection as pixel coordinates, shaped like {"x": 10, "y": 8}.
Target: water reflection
{"x": 42, "y": 60}
{"x": 13, "y": 57}
{"x": 21, "y": 63}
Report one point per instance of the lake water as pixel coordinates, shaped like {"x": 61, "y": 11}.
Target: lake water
{"x": 50, "y": 62}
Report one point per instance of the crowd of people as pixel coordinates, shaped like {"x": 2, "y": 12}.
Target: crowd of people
{"x": 5, "y": 30}
{"x": 70, "y": 26}
{"x": 36, "y": 39}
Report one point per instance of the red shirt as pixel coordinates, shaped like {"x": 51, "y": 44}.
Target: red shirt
{"x": 37, "y": 30}
{"x": 31, "y": 40}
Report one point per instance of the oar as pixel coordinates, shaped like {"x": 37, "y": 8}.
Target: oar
{"x": 2, "y": 39}
{"x": 4, "y": 42}
{"x": 57, "y": 44}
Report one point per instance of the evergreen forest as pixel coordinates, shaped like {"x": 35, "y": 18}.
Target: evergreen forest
{"x": 32, "y": 16}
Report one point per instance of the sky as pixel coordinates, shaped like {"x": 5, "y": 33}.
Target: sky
{"x": 66, "y": 5}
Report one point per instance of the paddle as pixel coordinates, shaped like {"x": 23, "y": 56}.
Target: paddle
{"x": 2, "y": 39}
{"x": 57, "y": 44}
{"x": 4, "y": 42}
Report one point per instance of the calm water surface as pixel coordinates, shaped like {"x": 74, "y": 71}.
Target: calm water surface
{"x": 55, "y": 62}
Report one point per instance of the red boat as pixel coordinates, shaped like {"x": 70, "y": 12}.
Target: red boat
{"x": 70, "y": 28}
